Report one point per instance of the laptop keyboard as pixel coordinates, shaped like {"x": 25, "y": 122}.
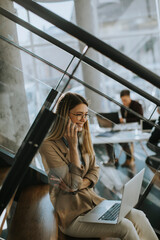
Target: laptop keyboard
{"x": 112, "y": 213}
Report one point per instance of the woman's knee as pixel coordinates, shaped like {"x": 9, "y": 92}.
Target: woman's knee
{"x": 136, "y": 215}
{"x": 128, "y": 230}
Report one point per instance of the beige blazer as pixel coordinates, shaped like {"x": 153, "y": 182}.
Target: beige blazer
{"x": 56, "y": 160}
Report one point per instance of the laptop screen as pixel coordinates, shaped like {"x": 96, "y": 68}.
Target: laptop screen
{"x": 108, "y": 119}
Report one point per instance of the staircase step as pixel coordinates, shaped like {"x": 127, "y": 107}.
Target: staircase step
{"x": 34, "y": 217}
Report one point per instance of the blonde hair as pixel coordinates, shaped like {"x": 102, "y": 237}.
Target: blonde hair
{"x": 66, "y": 103}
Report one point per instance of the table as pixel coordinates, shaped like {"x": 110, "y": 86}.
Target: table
{"x": 119, "y": 136}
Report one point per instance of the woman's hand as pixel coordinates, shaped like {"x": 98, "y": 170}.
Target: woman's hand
{"x": 72, "y": 139}
{"x": 85, "y": 183}
{"x": 58, "y": 182}
{"x": 71, "y": 134}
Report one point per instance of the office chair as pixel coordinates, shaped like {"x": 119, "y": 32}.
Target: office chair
{"x": 153, "y": 161}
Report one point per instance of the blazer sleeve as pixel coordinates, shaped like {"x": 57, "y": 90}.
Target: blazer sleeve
{"x": 55, "y": 165}
{"x": 137, "y": 107}
{"x": 93, "y": 172}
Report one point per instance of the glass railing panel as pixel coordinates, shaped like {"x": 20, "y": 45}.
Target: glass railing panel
{"x": 33, "y": 71}
{"x": 63, "y": 9}
{"x": 8, "y": 139}
{"x": 123, "y": 16}
{"x": 42, "y": 48}
{"x": 45, "y": 26}
{"x": 37, "y": 71}
{"x": 37, "y": 83}
{"x": 113, "y": 80}
{"x": 143, "y": 50}
{"x": 127, "y": 16}
{"x": 22, "y": 96}
{"x": 114, "y": 66}
{"x": 106, "y": 129}
{"x": 99, "y": 101}
{"x": 149, "y": 11}
{"x": 50, "y": 52}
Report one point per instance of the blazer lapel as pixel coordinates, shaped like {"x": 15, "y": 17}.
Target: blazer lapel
{"x": 62, "y": 150}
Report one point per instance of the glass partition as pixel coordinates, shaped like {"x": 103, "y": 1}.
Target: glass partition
{"x": 106, "y": 130}
{"x": 22, "y": 96}
{"x": 46, "y": 76}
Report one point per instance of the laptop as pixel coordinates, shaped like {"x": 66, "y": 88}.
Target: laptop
{"x": 113, "y": 211}
{"x": 108, "y": 120}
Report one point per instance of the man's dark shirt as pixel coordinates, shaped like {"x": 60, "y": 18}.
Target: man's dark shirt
{"x": 130, "y": 117}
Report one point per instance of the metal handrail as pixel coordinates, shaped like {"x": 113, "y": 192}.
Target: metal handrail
{"x": 91, "y": 41}
{"x": 74, "y": 53}
{"x": 83, "y": 83}
{"x": 77, "y": 54}
{"x": 25, "y": 155}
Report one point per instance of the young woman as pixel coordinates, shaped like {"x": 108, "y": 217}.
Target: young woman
{"x": 69, "y": 159}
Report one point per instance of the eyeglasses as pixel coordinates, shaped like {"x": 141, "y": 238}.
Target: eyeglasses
{"x": 79, "y": 116}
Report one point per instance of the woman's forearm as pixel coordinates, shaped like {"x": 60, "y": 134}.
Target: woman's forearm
{"x": 86, "y": 183}
{"x": 74, "y": 156}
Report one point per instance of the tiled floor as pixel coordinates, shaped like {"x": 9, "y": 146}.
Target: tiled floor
{"x": 114, "y": 178}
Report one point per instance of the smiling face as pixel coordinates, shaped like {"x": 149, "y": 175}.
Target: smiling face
{"x": 79, "y": 115}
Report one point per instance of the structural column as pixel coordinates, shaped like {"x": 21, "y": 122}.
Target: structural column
{"x": 14, "y": 122}
{"x": 86, "y": 17}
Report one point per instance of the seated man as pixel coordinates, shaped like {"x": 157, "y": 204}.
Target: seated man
{"x": 126, "y": 117}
